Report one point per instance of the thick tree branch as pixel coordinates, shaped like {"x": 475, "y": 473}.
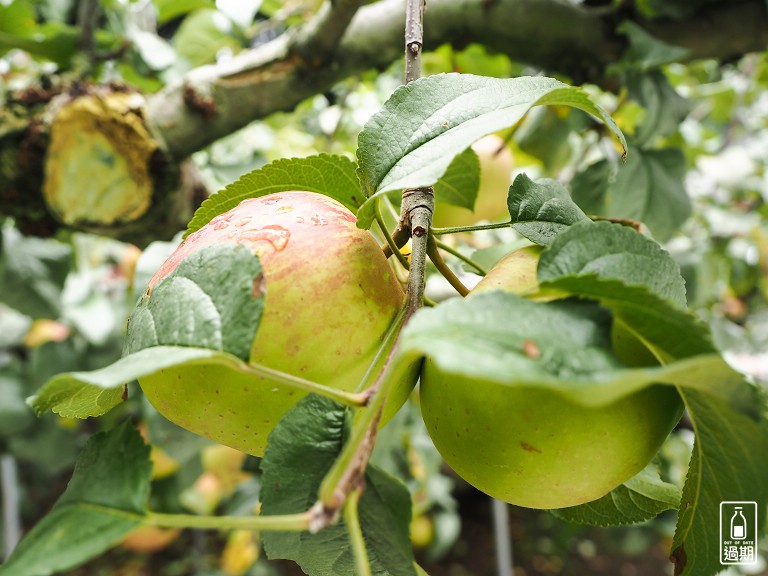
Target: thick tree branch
{"x": 557, "y": 36}
{"x": 317, "y": 41}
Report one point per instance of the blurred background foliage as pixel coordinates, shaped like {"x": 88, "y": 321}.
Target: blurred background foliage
{"x": 698, "y": 170}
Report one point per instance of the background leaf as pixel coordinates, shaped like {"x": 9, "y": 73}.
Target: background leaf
{"x": 301, "y": 450}
{"x": 32, "y": 274}
{"x": 640, "y": 498}
{"x": 649, "y": 188}
{"x": 104, "y": 501}
{"x": 332, "y": 176}
{"x": 646, "y": 52}
{"x": 665, "y": 109}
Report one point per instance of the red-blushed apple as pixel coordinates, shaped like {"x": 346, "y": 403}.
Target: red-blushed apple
{"x": 532, "y": 446}
{"x": 496, "y": 164}
{"x": 330, "y": 298}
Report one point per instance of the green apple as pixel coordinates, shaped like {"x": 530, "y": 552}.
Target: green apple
{"x": 515, "y": 272}
{"x": 330, "y": 298}
{"x": 531, "y": 446}
{"x": 496, "y": 165}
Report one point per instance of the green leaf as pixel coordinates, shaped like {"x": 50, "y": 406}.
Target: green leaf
{"x": 411, "y": 142}
{"x": 170, "y": 9}
{"x": 213, "y": 299}
{"x": 640, "y": 498}
{"x": 649, "y": 187}
{"x": 91, "y": 394}
{"x": 641, "y": 285}
{"x": 545, "y": 133}
{"x": 665, "y": 108}
{"x": 202, "y": 35}
{"x": 475, "y": 338}
{"x": 460, "y": 183}
{"x": 15, "y": 415}
{"x": 541, "y": 210}
{"x": 646, "y": 52}
{"x": 729, "y": 463}
{"x": 104, "y": 501}
{"x": 17, "y": 17}
{"x": 32, "y": 273}
{"x": 301, "y": 450}
{"x": 325, "y": 174}
{"x": 610, "y": 250}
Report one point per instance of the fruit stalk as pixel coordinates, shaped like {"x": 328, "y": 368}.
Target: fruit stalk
{"x": 285, "y": 523}
{"x": 443, "y": 268}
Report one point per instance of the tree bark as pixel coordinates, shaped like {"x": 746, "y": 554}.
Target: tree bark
{"x": 552, "y": 35}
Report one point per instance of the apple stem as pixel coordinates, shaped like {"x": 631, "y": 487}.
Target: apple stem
{"x": 387, "y": 343}
{"x": 288, "y": 522}
{"x": 443, "y": 268}
{"x": 460, "y": 229}
{"x": 391, "y": 246}
{"x": 353, "y": 399}
{"x": 348, "y": 469}
{"x": 451, "y": 250}
{"x": 352, "y": 519}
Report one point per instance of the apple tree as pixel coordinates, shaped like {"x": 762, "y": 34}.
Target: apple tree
{"x": 551, "y": 277}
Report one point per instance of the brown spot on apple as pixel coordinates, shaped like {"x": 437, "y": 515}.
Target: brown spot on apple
{"x": 528, "y": 448}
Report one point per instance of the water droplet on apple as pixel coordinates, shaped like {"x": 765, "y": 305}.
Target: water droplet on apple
{"x": 300, "y": 219}
{"x": 277, "y": 236}
{"x": 284, "y": 209}
{"x": 272, "y": 201}
{"x": 220, "y": 225}
{"x": 243, "y": 221}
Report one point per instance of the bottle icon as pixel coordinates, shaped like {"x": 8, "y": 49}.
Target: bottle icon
{"x": 738, "y": 525}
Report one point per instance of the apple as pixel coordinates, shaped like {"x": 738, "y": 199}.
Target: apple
{"x": 496, "y": 163}
{"x": 515, "y": 272}
{"x": 331, "y": 295}
{"x": 150, "y": 539}
{"x": 531, "y": 446}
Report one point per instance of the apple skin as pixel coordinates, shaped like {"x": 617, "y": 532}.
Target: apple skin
{"x": 515, "y": 273}
{"x": 330, "y": 298}
{"x": 532, "y": 447}
{"x": 496, "y": 164}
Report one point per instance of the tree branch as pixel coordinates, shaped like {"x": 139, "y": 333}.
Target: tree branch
{"x": 557, "y": 36}
{"x": 318, "y": 40}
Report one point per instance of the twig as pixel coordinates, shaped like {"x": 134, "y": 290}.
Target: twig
{"x": 414, "y": 39}
{"x": 392, "y": 246}
{"x": 451, "y": 250}
{"x": 443, "y": 268}
{"x": 418, "y": 206}
{"x": 475, "y": 228}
